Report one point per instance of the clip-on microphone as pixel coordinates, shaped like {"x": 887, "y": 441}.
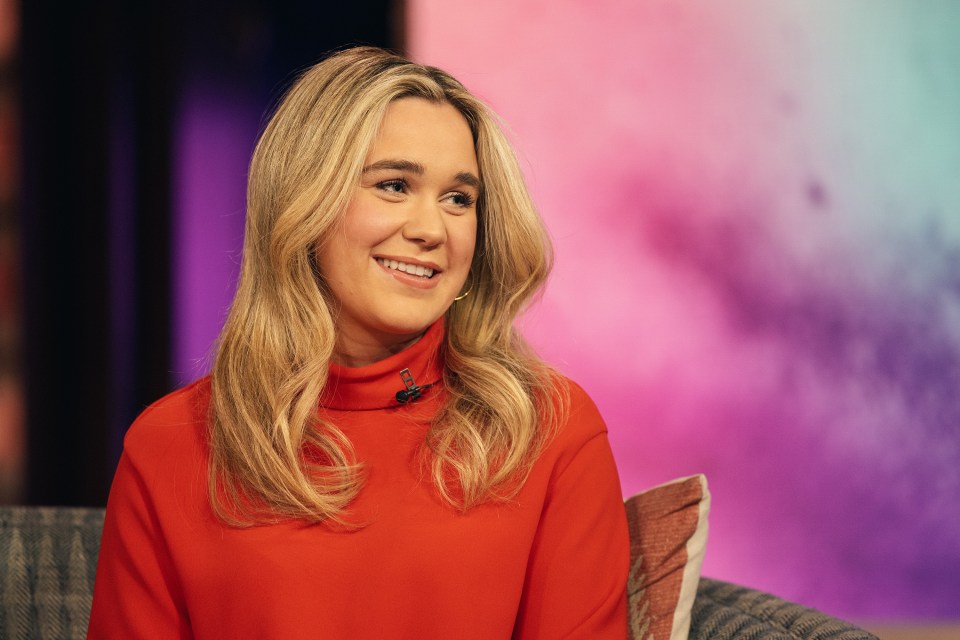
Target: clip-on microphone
{"x": 412, "y": 391}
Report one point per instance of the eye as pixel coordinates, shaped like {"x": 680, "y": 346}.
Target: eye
{"x": 460, "y": 199}
{"x": 392, "y": 186}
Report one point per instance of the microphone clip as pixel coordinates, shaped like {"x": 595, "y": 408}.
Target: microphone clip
{"x": 411, "y": 390}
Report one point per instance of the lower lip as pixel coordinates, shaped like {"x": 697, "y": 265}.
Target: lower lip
{"x": 416, "y": 282}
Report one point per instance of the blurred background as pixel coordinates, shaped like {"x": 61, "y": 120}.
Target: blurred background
{"x": 756, "y": 212}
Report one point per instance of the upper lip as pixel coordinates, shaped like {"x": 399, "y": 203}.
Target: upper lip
{"x": 419, "y": 263}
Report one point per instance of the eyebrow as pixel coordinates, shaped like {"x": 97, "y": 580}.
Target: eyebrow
{"x": 469, "y": 179}
{"x": 416, "y": 168}
{"x": 399, "y": 165}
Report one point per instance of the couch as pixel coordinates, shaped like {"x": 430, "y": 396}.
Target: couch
{"x": 48, "y": 559}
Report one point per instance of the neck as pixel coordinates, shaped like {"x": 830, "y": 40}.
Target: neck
{"x": 361, "y": 351}
{"x": 375, "y": 386}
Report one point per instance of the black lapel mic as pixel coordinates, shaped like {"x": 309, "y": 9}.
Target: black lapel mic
{"x": 411, "y": 391}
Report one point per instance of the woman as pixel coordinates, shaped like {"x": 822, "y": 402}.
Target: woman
{"x": 376, "y": 453}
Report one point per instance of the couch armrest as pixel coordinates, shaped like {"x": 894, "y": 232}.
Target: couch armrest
{"x": 48, "y": 558}
{"x": 724, "y": 611}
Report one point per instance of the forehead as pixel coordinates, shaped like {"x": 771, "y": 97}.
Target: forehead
{"x": 431, "y": 133}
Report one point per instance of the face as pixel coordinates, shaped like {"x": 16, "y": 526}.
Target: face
{"x": 404, "y": 248}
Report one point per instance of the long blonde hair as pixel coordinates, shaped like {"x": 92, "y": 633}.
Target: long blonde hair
{"x": 271, "y": 455}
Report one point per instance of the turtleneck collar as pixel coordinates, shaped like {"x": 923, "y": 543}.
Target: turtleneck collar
{"x": 375, "y": 386}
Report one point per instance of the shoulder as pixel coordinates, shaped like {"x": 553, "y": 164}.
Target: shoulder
{"x": 580, "y": 402}
{"x": 578, "y": 419}
{"x": 577, "y": 409}
{"x": 176, "y": 421}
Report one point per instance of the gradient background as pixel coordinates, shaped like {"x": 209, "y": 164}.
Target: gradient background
{"x": 756, "y": 212}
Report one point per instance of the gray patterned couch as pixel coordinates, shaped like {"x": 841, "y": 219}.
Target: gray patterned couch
{"x": 48, "y": 557}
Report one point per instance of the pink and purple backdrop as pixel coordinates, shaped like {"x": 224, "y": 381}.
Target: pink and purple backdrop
{"x": 755, "y": 212}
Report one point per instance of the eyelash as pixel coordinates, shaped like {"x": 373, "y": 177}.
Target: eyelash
{"x": 387, "y": 185}
{"x": 468, "y": 200}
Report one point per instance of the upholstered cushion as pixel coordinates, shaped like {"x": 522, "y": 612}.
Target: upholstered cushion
{"x": 48, "y": 557}
{"x": 668, "y": 536}
{"x": 725, "y": 611}
{"x": 47, "y": 561}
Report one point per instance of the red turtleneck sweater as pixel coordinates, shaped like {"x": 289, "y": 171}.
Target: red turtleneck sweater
{"x": 551, "y": 563}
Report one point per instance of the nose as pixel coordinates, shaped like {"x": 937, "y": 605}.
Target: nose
{"x": 425, "y": 225}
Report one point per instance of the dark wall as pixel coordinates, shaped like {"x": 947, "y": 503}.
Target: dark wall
{"x": 99, "y": 90}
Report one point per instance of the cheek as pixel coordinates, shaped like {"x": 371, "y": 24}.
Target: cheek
{"x": 365, "y": 227}
{"x": 348, "y": 248}
{"x": 464, "y": 241}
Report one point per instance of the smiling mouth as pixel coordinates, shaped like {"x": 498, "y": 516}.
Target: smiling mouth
{"x": 409, "y": 269}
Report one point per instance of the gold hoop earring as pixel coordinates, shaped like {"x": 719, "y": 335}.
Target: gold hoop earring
{"x": 465, "y": 293}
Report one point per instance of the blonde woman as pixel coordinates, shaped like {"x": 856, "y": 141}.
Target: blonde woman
{"x": 377, "y": 454}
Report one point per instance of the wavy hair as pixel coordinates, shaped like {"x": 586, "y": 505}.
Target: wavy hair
{"x": 272, "y": 457}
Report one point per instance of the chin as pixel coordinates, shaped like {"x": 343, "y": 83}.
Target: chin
{"x": 409, "y": 325}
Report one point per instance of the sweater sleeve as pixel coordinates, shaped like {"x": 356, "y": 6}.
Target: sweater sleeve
{"x": 577, "y": 572}
{"x": 136, "y": 594}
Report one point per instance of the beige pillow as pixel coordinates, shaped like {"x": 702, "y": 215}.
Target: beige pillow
{"x": 668, "y": 536}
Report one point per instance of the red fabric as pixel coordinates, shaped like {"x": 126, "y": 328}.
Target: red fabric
{"x": 552, "y": 563}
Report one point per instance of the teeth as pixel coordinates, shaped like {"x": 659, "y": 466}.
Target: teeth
{"x": 412, "y": 269}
